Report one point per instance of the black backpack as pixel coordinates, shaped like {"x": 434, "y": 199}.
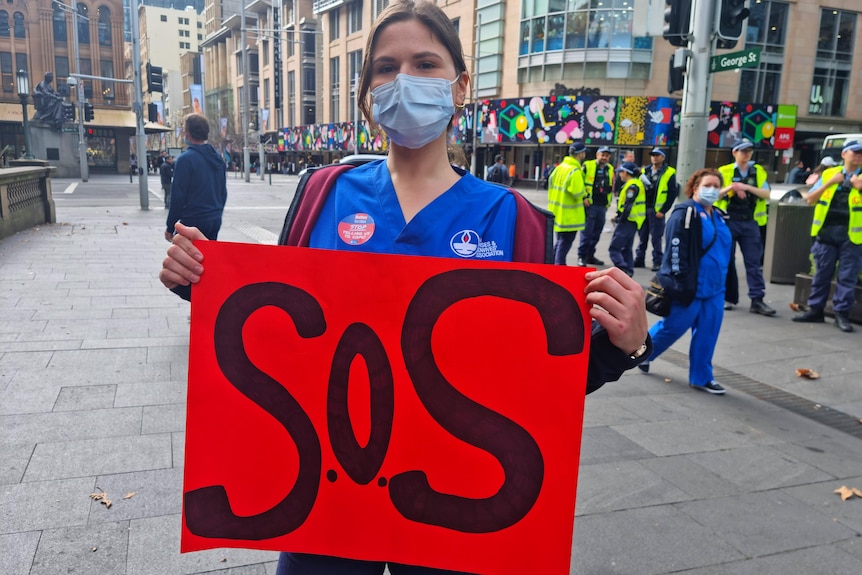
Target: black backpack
{"x": 495, "y": 174}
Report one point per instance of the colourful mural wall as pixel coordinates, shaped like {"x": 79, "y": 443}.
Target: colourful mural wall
{"x": 768, "y": 126}
{"x": 331, "y": 137}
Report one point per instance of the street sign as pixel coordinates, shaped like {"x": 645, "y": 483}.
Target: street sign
{"x": 735, "y": 60}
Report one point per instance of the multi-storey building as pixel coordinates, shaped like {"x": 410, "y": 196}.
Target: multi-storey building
{"x": 37, "y": 36}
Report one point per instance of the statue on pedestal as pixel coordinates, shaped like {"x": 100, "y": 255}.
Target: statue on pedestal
{"x": 48, "y": 103}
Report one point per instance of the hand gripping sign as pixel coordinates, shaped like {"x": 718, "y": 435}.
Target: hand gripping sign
{"x": 424, "y": 411}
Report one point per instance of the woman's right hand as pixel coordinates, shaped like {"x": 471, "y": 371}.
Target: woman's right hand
{"x": 182, "y": 265}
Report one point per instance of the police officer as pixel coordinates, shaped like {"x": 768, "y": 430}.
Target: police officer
{"x": 566, "y": 200}
{"x": 598, "y": 180}
{"x": 631, "y": 213}
{"x": 661, "y": 190}
{"x": 745, "y": 202}
{"x": 837, "y": 232}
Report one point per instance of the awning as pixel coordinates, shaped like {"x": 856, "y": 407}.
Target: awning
{"x": 154, "y": 128}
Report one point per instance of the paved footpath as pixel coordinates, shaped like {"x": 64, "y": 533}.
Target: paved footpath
{"x": 93, "y": 363}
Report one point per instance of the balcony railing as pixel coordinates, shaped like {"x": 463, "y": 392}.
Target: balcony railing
{"x": 321, "y": 6}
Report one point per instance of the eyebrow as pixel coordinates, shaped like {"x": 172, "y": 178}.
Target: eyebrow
{"x": 417, "y": 56}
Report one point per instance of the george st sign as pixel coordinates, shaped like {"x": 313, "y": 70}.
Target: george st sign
{"x": 735, "y": 60}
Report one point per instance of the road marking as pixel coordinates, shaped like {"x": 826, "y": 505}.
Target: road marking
{"x": 257, "y": 233}
{"x": 70, "y": 189}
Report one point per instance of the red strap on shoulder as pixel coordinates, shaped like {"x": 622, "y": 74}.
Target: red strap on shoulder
{"x": 313, "y": 196}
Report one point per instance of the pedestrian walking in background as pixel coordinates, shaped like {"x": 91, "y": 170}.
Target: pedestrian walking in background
{"x": 513, "y": 174}
{"x": 418, "y": 185}
{"x": 166, "y": 172}
{"x": 498, "y": 173}
{"x": 814, "y": 176}
{"x": 745, "y": 201}
{"x": 631, "y": 213}
{"x": 798, "y": 174}
{"x": 837, "y": 232}
{"x": 199, "y": 187}
{"x": 697, "y": 256}
{"x": 661, "y": 191}
{"x": 598, "y": 182}
{"x": 566, "y": 200}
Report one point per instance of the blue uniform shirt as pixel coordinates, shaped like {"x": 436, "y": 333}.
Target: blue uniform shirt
{"x": 472, "y": 220}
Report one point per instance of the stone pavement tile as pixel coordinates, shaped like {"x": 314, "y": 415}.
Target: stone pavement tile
{"x": 739, "y": 351}
{"x": 768, "y": 522}
{"x": 133, "y": 343}
{"x": 100, "y": 359}
{"x": 95, "y": 374}
{"x": 686, "y": 436}
{"x": 837, "y": 454}
{"x": 77, "y": 284}
{"x": 100, "y": 292}
{"x": 758, "y": 467}
{"x": 86, "y": 397}
{"x": 175, "y": 351}
{"x": 783, "y": 371}
{"x": 154, "y": 549}
{"x": 155, "y": 393}
{"x": 853, "y": 547}
{"x": 130, "y": 313}
{"x": 164, "y": 418}
{"x": 602, "y": 411}
{"x": 178, "y": 449}
{"x": 45, "y": 504}
{"x": 25, "y": 359}
{"x": 6, "y": 377}
{"x": 616, "y": 543}
{"x": 43, "y": 345}
{"x": 19, "y": 319}
{"x": 604, "y": 444}
{"x": 28, "y": 397}
{"x": 651, "y": 409}
{"x": 622, "y": 485}
{"x": 696, "y": 481}
{"x": 257, "y": 569}
{"x": 823, "y": 560}
{"x": 72, "y": 314}
{"x": 15, "y": 459}
{"x": 17, "y": 551}
{"x": 822, "y": 497}
{"x": 99, "y": 457}
{"x": 632, "y": 384}
{"x": 157, "y": 492}
{"x": 70, "y": 425}
{"x": 85, "y": 549}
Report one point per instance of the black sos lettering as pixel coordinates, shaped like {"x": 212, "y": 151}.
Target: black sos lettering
{"x": 208, "y": 511}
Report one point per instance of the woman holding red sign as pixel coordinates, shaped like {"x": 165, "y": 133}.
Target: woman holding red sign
{"x": 414, "y": 80}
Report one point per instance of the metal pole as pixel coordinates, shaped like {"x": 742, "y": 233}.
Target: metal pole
{"x": 246, "y": 156}
{"x": 698, "y": 87}
{"x": 138, "y": 106}
{"x": 28, "y": 153}
{"x": 476, "y": 125}
{"x": 82, "y": 145}
{"x": 260, "y": 154}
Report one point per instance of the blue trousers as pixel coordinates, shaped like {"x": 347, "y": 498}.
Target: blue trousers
{"x": 303, "y": 564}
{"x": 652, "y": 228}
{"x": 703, "y": 316}
{"x": 849, "y": 259}
{"x": 620, "y": 249}
{"x": 592, "y": 232}
{"x": 562, "y": 246}
{"x": 747, "y": 235}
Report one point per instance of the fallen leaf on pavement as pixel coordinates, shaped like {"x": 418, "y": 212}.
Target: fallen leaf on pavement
{"x": 102, "y": 498}
{"x": 845, "y": 492}
{"x": 856, "y": 492}
{"x": 807, "y": 373}
{"x": 667, "y": 380}
{"x": 129, "y": 495}
{"x": 798, "y": 306}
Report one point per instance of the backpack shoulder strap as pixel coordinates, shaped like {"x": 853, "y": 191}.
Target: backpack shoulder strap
{"x": 311, "y": 194}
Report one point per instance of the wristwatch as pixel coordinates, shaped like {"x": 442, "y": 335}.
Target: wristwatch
{"x": 639, "y": 351}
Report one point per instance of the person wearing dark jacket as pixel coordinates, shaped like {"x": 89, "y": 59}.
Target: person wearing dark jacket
{"x": 199, "y": 188}
{"x": 166, "y": 172}
{"x": 661, "y": 190}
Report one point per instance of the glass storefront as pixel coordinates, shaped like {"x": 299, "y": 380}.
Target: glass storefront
{"x": 101, "y": 149}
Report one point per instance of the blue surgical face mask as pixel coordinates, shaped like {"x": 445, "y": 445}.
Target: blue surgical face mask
{"x": 707, "y": 196}
{"x": 413, "y": 110}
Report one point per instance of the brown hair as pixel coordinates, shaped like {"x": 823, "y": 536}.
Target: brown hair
{"x": 432, "y": 17}
{"x": 197, "y": 128}
{"x": 695, "y": 179}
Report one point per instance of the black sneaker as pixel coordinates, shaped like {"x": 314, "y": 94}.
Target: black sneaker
{"x": 728, "y": 306}
{"x": 639, "y": 264}
{"x": 843, "y": 322}
{"x": 757, "y": 306}
{"x": 812, "y": 315}
{"x": 593, "y": 260}
{"x": 581, "y": 262}
{"x": 655, "y": 267}
{"x": 711, "y": 387}
{"x": 644, "y": 367}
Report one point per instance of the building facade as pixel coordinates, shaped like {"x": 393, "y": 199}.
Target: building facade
{"x": 37, "y": 36}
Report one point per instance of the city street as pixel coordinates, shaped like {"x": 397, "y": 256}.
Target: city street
{"x": 93, "y": 367}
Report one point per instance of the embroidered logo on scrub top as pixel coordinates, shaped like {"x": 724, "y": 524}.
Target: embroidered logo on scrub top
{"x": 356, "y": 229}
{"x": 468, "y": 244}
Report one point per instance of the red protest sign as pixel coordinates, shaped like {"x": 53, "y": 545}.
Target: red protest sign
{"x": 424, "y": 411}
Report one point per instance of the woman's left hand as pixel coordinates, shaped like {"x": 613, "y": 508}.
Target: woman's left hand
{"x": 617, "y": 302}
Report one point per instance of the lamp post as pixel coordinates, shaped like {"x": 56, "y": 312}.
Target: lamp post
{"x": 476, "y": 125}
{"x": 24, "y": 95}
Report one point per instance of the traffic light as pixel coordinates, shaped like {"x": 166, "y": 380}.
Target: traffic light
{"x": 677, "y": 21}
{"x": 675, "y": 77}
{"x": 730, "y": 19}
{"x": 68, "y": 112}
{"x": 152, "y": 113}
{"x": 89, "y": 116}
{"x": 155, "y": 82}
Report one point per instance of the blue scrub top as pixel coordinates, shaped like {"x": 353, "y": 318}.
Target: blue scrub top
{"x": 472, "y": 220}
